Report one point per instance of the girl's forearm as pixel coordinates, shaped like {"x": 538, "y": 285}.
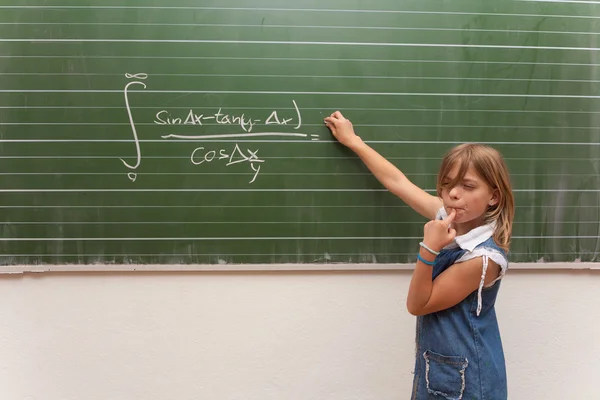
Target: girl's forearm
{"x": 421, "y": 285}
{"x": 387, "y": 173}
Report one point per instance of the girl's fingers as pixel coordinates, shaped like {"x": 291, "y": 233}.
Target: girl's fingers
{"x": 450, "y": 217}
{"x": 331, "y": 120}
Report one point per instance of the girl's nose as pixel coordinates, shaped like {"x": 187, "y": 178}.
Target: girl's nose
{"x": 454, "y": 193}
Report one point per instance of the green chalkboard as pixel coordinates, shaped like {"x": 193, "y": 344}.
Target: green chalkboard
{"x": 191, "y": 132}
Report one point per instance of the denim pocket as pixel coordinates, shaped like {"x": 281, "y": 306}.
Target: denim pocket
{"x": 445, "y": 376}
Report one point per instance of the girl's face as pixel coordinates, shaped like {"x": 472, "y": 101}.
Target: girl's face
{"x": 470, "y": 197}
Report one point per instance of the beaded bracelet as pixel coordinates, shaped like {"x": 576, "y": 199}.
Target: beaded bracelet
{"x": 423, "y": 245}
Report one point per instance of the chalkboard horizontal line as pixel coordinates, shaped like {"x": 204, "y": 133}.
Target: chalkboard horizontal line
{"x": 324, "y": 173}
{"x": 250, "y": 134}
{"x": 250, "y": 238}
{"x": 298, "y": 206}
{"x": 301, "y": 43}
{"x": 387, "y": 222}
{"x": 228, "y": 206}
{"x": 322, "y": 255}
{"x": 518, "y": 95}
{"x": 266, "y": 158}
{"x": 462, "y": 126}
{"x": 579, "y": 159}
{"x": 240, "y": 173}
{"x": 173, "y": 190}
{"x": 421, "y": 78}
{"x": 237, "y": 174}
{"x": 70, "y": 239}
{"x": 328, "y": 27}
{"x": 185, "y": 190}
{"x": 562, "y": 1}
{"x": 311, "y": 10}
{"x": 306, "y": 141}
{"x": 378, "y": 60}
{"x": 173, "y": 141}
{"x": 270, "y": 76}
{"x": 306, "y": 108}
{"x": 178, "y": 141}
{"x": 214, "y": 222}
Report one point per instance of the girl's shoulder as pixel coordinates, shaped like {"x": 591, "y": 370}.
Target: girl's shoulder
{"x": 489, "y": 249}
{"x": 491, "y": 244}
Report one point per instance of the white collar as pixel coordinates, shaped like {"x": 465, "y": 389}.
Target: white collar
{"x": 473, "y": 238}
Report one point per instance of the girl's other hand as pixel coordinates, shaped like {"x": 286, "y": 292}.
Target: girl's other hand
{"x": 342, "y": 129}
{"x": 438, "y": 234}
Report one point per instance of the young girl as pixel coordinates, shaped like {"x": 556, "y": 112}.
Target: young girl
{"x": 459, "y": 266}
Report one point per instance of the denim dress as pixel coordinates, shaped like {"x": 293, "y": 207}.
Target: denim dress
{"x": 459, "y": 353}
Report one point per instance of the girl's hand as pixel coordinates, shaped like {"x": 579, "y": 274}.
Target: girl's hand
{"x": 342, "y": 129}
{"x": 438, "y": 234}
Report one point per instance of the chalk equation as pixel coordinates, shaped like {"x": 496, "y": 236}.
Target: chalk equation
{"x": 164, "y": 117}
{"x": 236, "y": 156}
{"x": 192, "y": 118}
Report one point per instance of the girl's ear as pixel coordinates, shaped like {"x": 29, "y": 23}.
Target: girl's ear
{"x": 495, "y": 198}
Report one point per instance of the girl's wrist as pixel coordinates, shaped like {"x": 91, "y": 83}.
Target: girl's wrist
{"x": 435, "y": 250}
{"x": 432, "y": 248}
{"x": 426, "y": 255}
{"x": 355, "y": 143}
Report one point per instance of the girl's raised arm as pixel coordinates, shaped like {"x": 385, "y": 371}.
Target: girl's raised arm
{"x": 388, "y": 174}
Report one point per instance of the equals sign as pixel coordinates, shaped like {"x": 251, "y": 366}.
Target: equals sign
{"x": 314, "y": 137}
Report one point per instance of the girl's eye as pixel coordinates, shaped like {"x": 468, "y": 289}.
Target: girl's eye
{"x": 470, "y": 187}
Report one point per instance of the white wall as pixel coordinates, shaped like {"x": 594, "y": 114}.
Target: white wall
{"x": 261, "y": 336}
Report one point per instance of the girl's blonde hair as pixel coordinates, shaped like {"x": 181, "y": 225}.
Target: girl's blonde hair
{"x": 490, "y": 166}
